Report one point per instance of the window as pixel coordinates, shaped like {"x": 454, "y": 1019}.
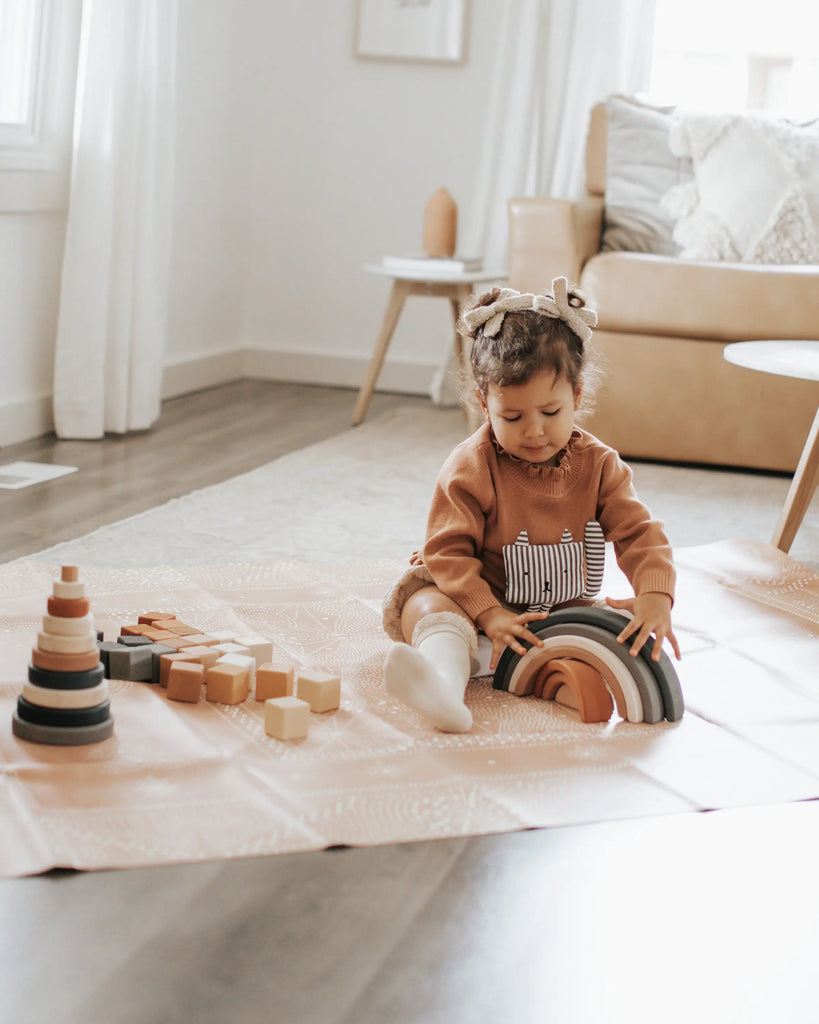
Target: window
{"x": 38, "y": 62}
{"x": 735, "y": 55}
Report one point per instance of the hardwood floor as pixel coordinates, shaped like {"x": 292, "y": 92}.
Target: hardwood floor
{"x": 200, "y": 439}
{"x": 697, "y": 917}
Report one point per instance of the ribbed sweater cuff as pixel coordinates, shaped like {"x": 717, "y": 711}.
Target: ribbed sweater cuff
{"x": 656, "y": 582}
{"x": 474, "y": 604}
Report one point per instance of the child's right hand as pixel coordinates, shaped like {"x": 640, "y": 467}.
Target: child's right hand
{"x": 506, "y": 629}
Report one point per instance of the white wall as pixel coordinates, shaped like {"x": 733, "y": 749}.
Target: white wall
{"x": 296, "y": 164}
{"x": 344, "y": 154}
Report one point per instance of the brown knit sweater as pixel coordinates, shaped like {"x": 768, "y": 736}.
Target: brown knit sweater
{"x": 484, "y": 498}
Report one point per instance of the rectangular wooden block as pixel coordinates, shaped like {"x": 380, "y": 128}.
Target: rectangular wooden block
{"x": 223, "y": 636}
{"x": 165, "y": 662}
{"x": 286, "y": 718}
{"x": 157, "y": 635}
{"x": 131, "y": 663}
{"x": 175, "y": 626}
{"x": 133, "y": 630}
{"x": 149, "y": 618}
{"x": 231, "y": 648}
{"x": 321, "y": 690}
{"x": 227, "y": 684}
{"x": 274, "y": 679}
{"x": 185, "y": 681}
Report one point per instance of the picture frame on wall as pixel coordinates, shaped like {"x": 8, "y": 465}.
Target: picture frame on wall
{"x": 411, "y": 30}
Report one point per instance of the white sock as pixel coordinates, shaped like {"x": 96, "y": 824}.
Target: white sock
{"x": 431, "y": 675}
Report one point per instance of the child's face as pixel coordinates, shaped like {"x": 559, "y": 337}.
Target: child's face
{"x": 533, "y": 421}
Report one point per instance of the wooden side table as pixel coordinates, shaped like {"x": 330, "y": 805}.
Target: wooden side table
{"x": 457, "y": 287}
{"x": 788, "y": 359}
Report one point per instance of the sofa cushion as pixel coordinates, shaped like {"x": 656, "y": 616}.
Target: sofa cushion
{"x": 755, "y": 193}
{"x": 645, "y": 294}
{"x": 640, "y": 170}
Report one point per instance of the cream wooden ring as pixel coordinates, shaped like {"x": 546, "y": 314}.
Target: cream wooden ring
{"x": 46, "y": 697}
{"x": 56, "y": 644}
{"x": 61, "y": 626}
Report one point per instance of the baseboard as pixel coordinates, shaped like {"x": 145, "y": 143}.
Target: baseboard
{"x": 323, "y": 368}
{"x": 33, "y": 417}
{"x": 22, "y": 421}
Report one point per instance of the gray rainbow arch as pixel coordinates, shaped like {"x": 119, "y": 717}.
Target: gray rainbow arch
{"x": 643, "y": 690}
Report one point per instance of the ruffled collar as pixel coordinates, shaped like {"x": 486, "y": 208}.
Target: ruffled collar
{"x": 563, "y": 471}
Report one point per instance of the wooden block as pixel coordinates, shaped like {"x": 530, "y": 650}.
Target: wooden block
{"x": 286, "y": 718}
{"x": 260, "y": 648}
{"x": 180, "y": 642}
{"x": 132, "y": 663}
{"x": 134, "y": 641}
{"x": 158, "y": 635}
{"x": 180, "y": 628}
{"x": 65, "y": 662}
{"x": 223, "y": 636}
{"x": 274, "y": 679}
{"x": 196, "y": 638}
{"x": 166, "y": 660}
{"x": 185, "y": 680}
{"x": 242, "y": 660}
{"x": 69, "y": 573}
{"x": 227, "y": 684}
{"x": 133, "y": 629}
{"x": 149, "y": 618}
{"x": 321, "y": 690}
{"x": 203, "y": 655}
{"x": 157, "y": 650}
{"x": 73, "y": 608}
{"x": 232, "y": 648}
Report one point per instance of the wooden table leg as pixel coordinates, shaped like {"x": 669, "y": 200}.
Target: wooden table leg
{"x": 801, "y": 491}
{"x": 398, "y": 296}
{"x": 469, "y": 403}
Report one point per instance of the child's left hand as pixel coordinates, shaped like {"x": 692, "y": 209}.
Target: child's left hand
{"x": 652, "y": 614}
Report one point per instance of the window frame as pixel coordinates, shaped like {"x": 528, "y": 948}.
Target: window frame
{"x": 35, "y": 156}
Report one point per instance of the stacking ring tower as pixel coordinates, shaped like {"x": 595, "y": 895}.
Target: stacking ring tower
{"x": 582, "y": 658}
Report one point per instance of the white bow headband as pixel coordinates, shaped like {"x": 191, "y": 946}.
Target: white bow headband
{"x": 558, "y": 306}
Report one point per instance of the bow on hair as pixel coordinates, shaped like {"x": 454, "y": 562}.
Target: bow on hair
{"x": 558, "y": 306}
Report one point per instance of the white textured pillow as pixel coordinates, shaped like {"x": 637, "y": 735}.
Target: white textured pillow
{"x": 640, "y": 169}
{"x": 755, "y": 193}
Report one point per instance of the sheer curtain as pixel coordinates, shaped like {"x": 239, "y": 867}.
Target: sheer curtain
{"x": 555, "y": 60}
{"x": 113, "y": 302}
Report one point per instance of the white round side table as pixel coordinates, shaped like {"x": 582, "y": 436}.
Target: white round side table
{"x": 453, "y": 285}
{"x": 798, "y": 359}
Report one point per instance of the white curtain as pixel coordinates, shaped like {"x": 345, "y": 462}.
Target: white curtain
{"x": 555, "y": 60}
{"x": 113, "y": 303}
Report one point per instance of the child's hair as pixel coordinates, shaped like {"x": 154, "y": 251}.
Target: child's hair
{"x": 515, "y": 335}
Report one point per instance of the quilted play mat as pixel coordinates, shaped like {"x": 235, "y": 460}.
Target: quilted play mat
{"x": 184, "y": 782}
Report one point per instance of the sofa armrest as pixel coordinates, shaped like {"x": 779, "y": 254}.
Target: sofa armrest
{"x": 551, "y": 238}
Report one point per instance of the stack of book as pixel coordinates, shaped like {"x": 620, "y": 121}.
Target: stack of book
{"x": 432, "y": 264}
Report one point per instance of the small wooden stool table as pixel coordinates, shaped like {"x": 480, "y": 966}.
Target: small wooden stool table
{"x": 456, "y": 286}
{"x": 798, "y": 359}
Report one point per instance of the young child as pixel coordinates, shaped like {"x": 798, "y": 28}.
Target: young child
{"x": 508, "y": 503}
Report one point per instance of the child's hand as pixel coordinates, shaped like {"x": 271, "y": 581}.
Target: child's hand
{"x": 652, "y": 614}
{"x": 506, "y": 629}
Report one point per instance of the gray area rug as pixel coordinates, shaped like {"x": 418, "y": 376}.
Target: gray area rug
{"x": 364, "y": 494}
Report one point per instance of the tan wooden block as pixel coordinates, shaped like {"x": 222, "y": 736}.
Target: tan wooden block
{"x": 180, "y": 642}
{"x": 180, "y": 628}
{"x": 321, "y": 690}
{"x": 165, "y": 662}
{"x": 206, "y": 656}
{"x": 232, "y": 648}
{"x": 227, "y": 684}
{"x": 149, "y": 618}
{"x": 69, "y": 573}
{"x": 196, "y": 638}
{"x": 133, "y": 629}
{"x": 243, "y": 660}
{"x": 185, "y": 680}
{"x": 274, "y": 679}
{"x": 286, "y": 718}
{"x": 158, "y": 635}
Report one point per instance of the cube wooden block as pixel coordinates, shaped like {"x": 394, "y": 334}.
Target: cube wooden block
{"x": 222, "y": 636}
{"x": 149, "y": 618}
{"x": 274, "y": 679}
{"x": 175, "y": 626}
{"x": 286, "y": 718}
{"x": 260, "y": 648}
{"x": 165, "y": 662}
{"x": 243, "y": 660}
{"x": 231, "y": 648}
{"x": 185, "y": 681}
{"x": 227, "y": 684}
{"x": 321, "y": 690}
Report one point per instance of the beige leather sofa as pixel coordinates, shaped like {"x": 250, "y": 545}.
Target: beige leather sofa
{"x": 664, "y": 321}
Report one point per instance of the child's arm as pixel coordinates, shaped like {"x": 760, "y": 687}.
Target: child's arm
{"x": 652, "y": 614}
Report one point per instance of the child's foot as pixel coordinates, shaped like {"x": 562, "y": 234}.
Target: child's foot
{"x": 412, "y": 679}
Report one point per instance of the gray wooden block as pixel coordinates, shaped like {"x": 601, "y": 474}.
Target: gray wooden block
{"x": 157, "y": 650}
{"x": 105, "y": 649}
{"x": 134, "y": 641}
{"x": 132, "y": 663}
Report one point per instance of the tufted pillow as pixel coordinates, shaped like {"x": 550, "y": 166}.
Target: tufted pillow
{"x": 755, "y": 193}
{"x": 640, "y": 169}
